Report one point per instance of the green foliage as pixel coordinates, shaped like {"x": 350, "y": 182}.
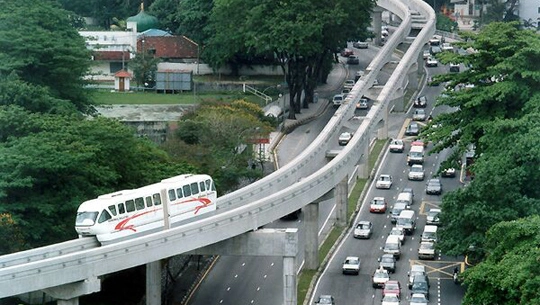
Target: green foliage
{"x": 144, "y": 66}
{"x": 104, "y": 11}
{"x": 511, "y": 273}
{"x": 38, "y": 43}
{"x": 444, "y": 23}
{"x": 51, "y": 163}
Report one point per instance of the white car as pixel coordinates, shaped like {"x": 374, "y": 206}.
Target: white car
{"x": 344, "y": 138}
{"x": 426, "y": 250}
{"x": 363, "y": 229}
{"x": 390, "y": 299}
{"x": 432, "y": 62}
{"x": 338, "y": 99}
{"x": 418, "y": 299}
{"x": 380, "y": 277}
{"x": 416, "y": 172}
{"x": 349, "y": 83}
{"x": 362, "y": 104}
{"x": 426, "y": 54}
{"x": 384, "y": 182}
{"x": 397, "y": 146}
{"x": 419, "y": 114}
{"x": 351, "y": 265}
{"x": 399, "y": 232}
{"x": 446, "y": 46}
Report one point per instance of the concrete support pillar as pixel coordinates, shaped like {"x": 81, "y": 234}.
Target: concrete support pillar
{"x": 342, "y": 191}
{"x": 363, "y": 172}
{"x": 377, "y": 24}
{"x": 153, "y": 283}
{"x": 311, "y": 222}
{"x": 413, "y": 76}
{"x": 74, "y": 301}
{"x": 289, "y": 268}
{"x": 383, "y": 131}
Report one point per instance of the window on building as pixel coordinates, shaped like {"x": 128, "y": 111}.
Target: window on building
{"x": 116, "y": 66}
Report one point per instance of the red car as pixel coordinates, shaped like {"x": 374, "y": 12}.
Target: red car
{"x": 392, "y": 287}
{"x": 378, "y": 205}
{"x": 347, "y": 52}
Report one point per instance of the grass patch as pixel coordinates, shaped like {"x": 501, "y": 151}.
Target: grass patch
{"x": 306, "y": 276}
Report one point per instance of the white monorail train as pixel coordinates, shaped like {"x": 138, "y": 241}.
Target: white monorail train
{"x": 130, "y": 213}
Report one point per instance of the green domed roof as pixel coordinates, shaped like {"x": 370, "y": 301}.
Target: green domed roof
{"x": 144, "y": 21}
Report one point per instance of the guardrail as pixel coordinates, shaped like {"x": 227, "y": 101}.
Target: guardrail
{"x": 247, "y": 209}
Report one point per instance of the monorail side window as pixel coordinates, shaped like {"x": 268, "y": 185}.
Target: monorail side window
{"x": 130, "y": 205}
{"x": 139, "y": 203}
{"x": 172, "y": 195}
{"x": 104, "y": 216}
{"x": 112, "y": 209}
{"x": 187, "y": 190}
{"x": 148, "y": 201}
{"x": 179, "y": 193}
{"x": 208, "y": 183}
{"x": 121, "y": 208}
{"x": 157, "y": 199}
{"x": 194, "y": 188}
{"x": 201, "y": 185}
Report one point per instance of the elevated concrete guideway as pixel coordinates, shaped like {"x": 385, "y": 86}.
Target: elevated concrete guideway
{"x": 73, "y": 274}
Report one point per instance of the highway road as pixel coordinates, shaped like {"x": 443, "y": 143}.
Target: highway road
{"x": 350, "y": 289}
{"x": 258, "y": 280}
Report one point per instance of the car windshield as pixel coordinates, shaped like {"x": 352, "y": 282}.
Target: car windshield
{"x": 416, "y": 169}
{"x": 86, "y": 218}
{"x": 426, "y": 246}
{"x": 390, "y": 298}
{"x": 351, "y": 261}
{"x": 380, "y": 275}
{"x": 387, "y": 260}
{"x": 363, "y": 226}
{"x": 419, "y": 286}
{"x": 432, "y": 213}
{"x": 396, "y": 231}
{"x": 418, "y": 298}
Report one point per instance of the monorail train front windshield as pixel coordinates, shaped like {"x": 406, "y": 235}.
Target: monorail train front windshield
{"x": 86, "y": 218}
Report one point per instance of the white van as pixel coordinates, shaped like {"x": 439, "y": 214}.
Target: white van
{"x": 430, "y": 233}
{"x": 393, "y": 246}
{"x": 405, "y": 197}
{"x": 415, "y": 155}
{"x": 407, "y": 221}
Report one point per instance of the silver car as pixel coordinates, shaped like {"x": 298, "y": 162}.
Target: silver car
{"x": 363, "y": 229}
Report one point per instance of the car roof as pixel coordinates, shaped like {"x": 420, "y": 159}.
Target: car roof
{"x": 356, "y": 258}
{"x": 418, "y": 268}
{"x": 435, "y": 210}
{"x": 364, "y": 222}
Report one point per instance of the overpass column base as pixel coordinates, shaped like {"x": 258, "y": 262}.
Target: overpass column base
{"x": 363, "y": 171}
{"x": 342, "y": 191}
{"x": 311, "y": 217}
{"x": 153, "y": 283}
{"x": 289, "y": 280}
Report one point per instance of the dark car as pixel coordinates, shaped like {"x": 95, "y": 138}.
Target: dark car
{"x": 420, "y": 102}
{"x": 347, "y": 52}
{"x": 420, "y": 284}
{"x": 388, "y": 262}
{"x": 353, "y": 60}
{"x": 412, "y": 130}
{"x": 434, "y": 187}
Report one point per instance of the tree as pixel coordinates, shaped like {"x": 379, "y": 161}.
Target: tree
{"x": 50, "y": 164}
{"x": 144, "y": 66}
{"x": 511, "y": 273}
{"x": 216, "y": 138}
{"x": 38, "y": 43}
{"x": 104, "y": 11}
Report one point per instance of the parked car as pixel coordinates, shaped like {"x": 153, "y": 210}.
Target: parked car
{"x": 420, "y": 102}
{"x": 325, "y": 300}
{"x": 353, "y": 60}
{"x": 446, "y": 46}
{"x": 378, "y": 205}
{"x": 344, "y": 138}
{"x": 432, "y": 62}
{"x": 416, "y": 172}
{"x": 416, "y": 269}
{"x": 338, "y": 99}
{"x": 384, "y": 182}
{"x": 349, "y": 84}
{"x": 347, "y": 52}
{"x": 418, "y": 299}
{"x": 363, "y": 229}
{"x": 399, "y": 232}
{"x": 426, "y": 250}
{"x": 432, "y": 216}
{"x": 387, "y": 262}
{"x": 412, "y": 129}
{"x": 392, "y": 287}
{"x": 345, "y": 91}
{"x": 360, "y": 44}
{"x": 380, "y": 277}
{"x": 351, "y": 265}
{"x": 397, "y": 145}
{"x": 362, "y": 104}
{"x": 435, "y": 50}
{"x": 426, "y": 54}
{"x": 434, "y": 187}
{"x": 453, "y": 68}
{"x": 419, "y": 114}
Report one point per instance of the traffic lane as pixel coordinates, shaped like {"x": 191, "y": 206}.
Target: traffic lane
{"x": 369, "y": 251}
